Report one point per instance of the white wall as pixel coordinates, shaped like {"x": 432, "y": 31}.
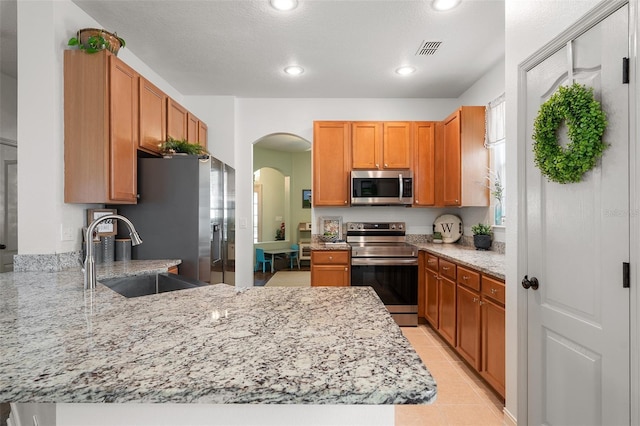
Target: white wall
{"x": 8, "y": 107}
{"x": 529, "y": 25}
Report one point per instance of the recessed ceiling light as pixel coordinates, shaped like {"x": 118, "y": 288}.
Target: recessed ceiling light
{"x": 444, "y": 4}
{"x": 405, "y": 70}
{"x": 294, "y": 70}
{"x": 284, "y": 4}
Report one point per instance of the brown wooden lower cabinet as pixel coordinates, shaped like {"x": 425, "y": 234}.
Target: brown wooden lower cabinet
{"x": 330, "y": 268}
{"x": 466, "y": 307}
{"x": 447, "y": 310}
{"x": 173, "y": 270}
{"x": 431, "y": 290}
{"x": 493, "y": 345}
{"x": 468, "y": 332}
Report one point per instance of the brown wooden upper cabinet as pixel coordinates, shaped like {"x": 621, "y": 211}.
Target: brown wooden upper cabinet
{"x": 423, "y": 163}
{"x": 196, "y": 130}
{"x": 331, "y": 163}
{"x": 381, "y": 145}
{"x": 203, "y": 132}
{"x": 463, "y": 160}
{"x": 153, "y": 117}
{"x": 100, "y": 128}
{"x": 177, "y": 120}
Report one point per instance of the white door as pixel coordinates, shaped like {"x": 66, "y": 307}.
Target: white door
{"x": 577, "y": 238}
{"x": 8, "y": 205}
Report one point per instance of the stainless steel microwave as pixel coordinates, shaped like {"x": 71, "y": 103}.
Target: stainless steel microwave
{"x": 381, "y": 187}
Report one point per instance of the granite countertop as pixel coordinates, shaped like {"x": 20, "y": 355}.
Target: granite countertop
{"x": 319, "y": 245}
{"x": 488, "y": 262}
{"x": 210, "y": 344}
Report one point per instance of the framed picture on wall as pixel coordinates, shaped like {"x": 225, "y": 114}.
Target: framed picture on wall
{"x": 306, "y": 198}
{"x": 331, "y": 228}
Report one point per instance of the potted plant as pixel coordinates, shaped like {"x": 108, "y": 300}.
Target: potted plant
{"x": 437, "y": 237}
{"x": 481, "y": 236}
{"x": 93, "y": 40}
{"x": 180, "y": 146}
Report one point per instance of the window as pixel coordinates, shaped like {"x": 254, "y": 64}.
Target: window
{"x": 495, "y": 141}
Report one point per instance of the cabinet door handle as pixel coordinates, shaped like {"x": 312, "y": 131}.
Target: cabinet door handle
{"x": 445, "y": 268}
{"x": 475, "y": 299}
{"x": 346, "y": 269}
{"x": 481, "y": 303}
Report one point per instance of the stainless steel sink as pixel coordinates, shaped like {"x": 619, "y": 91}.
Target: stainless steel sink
{"x": 143, "y": 285}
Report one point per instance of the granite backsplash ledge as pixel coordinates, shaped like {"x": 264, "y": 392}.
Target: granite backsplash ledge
{"x": 465, "y": 241}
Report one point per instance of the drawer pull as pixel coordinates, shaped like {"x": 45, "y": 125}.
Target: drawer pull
{"x": 493, "y": 291}
{"x": 475, "y": 299}
{"x": 445, "y": 268}
{"x": 464, "y": 277}
{"x": 330, "y": 257}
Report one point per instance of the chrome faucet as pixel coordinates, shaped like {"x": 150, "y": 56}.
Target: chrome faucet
{"x": 89, "y": 262}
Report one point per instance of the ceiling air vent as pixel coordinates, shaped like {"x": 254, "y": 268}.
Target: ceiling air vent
{"x": 428, "y": 48}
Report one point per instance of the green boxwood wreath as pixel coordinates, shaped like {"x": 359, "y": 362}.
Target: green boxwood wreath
{"x": 586, "y": 123}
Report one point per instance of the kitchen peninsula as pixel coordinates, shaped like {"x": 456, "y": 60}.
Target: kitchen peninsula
{"x": 211, "y": 344}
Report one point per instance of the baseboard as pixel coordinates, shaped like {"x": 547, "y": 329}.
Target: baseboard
{"x": 509, "y": 420}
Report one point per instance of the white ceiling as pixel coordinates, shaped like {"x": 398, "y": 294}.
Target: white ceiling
{"x": 348, "y": 48}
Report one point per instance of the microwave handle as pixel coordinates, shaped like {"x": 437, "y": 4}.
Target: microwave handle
{"x": 401, "y": 187}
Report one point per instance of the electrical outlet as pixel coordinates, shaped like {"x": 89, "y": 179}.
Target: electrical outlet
{"x": 66, "y": 233}
{"x": 243, "y": 223}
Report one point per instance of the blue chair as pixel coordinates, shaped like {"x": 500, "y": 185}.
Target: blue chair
{"x": 294, "y": 256}
{"x": 261, "y": 259}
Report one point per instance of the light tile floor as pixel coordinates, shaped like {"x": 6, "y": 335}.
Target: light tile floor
{"x": 463, "y": 398}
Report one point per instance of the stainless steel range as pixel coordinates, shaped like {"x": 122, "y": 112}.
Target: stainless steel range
{"x": 381, "y": 258}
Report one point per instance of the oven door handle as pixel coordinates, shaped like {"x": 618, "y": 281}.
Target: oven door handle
{"x": 366, "y": 261}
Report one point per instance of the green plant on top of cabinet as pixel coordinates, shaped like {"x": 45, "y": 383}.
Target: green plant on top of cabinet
{"x": 381, "y": 145}
{"x": 463, "y": 160}
{"x": 100, "y": 129}
{"x": 331, "y": 163}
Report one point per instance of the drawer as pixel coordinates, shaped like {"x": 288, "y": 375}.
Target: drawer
{"x": 469, "y": 278}
{"x": 493, "y": 289}
{"x": 330, "y": 257}
{"x": 432, "y": 262}
{"x": 448, "y": 269}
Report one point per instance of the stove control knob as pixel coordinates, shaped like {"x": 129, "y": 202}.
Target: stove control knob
{"x": 393, "y": 226}
{"x": 400, "y": 226}
{"x": 360, "y": 226}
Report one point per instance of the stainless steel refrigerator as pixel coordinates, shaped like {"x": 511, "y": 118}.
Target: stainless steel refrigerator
{"x": 186, "y": 210}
